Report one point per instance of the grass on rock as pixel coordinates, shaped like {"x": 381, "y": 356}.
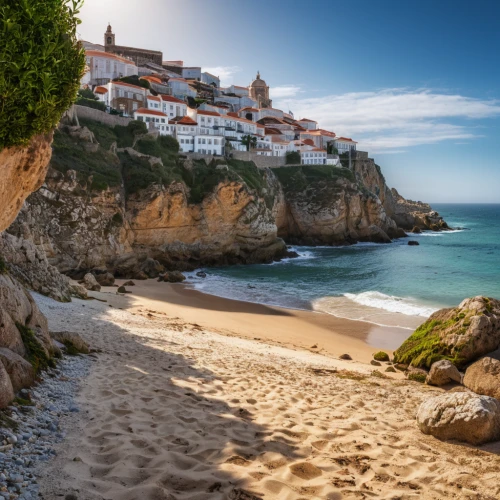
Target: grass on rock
{"x": 35, "y": 353}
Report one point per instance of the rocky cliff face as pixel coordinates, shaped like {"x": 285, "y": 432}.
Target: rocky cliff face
{"x": 104, "y": 210}
{"x": 407, "y": 214}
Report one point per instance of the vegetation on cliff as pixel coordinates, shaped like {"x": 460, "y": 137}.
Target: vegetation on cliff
{"x": 42, "y": 63}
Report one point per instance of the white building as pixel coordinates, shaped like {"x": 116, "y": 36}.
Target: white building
{"x": 180, "y": 88}
{"x": 105, "y": 67}
{"x": 344, "y": 144}
{"x": 191, "y": 73}
{"x": 210, "y": 79}
{"x": 172, "y": 106}
{"x": 236, "y": 90}
{"x": 308, "y": 124}
{"x": 126, "y": 97}
{"x": 154, "y": 117}
{"x": 314, "y": 157}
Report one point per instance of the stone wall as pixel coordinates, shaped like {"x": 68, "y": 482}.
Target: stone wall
{"x": 101, "y": 116}
{"x": 260, "y": 160}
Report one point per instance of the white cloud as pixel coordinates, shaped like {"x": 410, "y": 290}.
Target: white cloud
{"x": 225, "y": 73}
{"x": 395, "y": 118}
{"x": 284, "y": 91}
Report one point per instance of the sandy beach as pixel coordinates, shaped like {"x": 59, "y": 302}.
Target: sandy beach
{"x": 196, "y": 397}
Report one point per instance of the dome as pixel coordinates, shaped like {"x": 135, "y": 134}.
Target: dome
{"x": 258, "y": 82}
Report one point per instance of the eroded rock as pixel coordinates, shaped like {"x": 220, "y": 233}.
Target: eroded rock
{"x": 443, "y": 372}
{"x": 90, "y": 283}
{"x": 483, "y": 377}
{"x": 463, "y": 416}
{"x": 20, "y": 371}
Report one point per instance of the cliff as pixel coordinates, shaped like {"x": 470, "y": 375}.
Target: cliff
{"x": 117, "y": 201}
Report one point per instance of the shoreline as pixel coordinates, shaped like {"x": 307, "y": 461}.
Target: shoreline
{"x": 310, "y": 330}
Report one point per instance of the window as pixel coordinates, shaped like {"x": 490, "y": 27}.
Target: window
{"x": 163, "y": 120}
{"x": 209, "y": 141}
{"x": 171, "y": 107}
{"x": 134, "y": 106}
{"x": 199, "y": 140}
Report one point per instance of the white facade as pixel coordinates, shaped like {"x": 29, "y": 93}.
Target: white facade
{"x": 191, "y": 73}
{"x": 313, "y": 157}
{"x": 105, "y": 67}
{"x": 173, "y": 107}
{"x": 210, "y": 79}
{"x": 308, "y": 124}
{"x": 180, "y": 88}
{"x": 239, "y": 91}
{"x": 344, "y": 144}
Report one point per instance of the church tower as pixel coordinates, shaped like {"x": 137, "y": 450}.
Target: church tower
{"x": 259, "y": 91}
{"x": 109, "y": 37}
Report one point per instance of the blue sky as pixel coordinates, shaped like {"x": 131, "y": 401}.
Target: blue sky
{"x": 417, "y": 84}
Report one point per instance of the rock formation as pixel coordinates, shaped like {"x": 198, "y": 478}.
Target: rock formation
{"x": 443, "y": 372}
{"x": 461, "y": 335}
{"x": 22, "y": 170}
{"x": 463, "y": 416}
{"x": 483, "y": 377}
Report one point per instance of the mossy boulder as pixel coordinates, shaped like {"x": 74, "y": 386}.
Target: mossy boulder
{"x": 460, "y": 335}
{"x": 381, "y": 356}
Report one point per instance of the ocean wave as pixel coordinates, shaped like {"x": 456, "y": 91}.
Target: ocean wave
{"x": 407, "y": 306}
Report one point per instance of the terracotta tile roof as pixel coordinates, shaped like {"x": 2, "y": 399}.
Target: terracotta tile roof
{"x": 271, "y": 131}
{"x": 307, "y": 120}
{"x": 100, "y": 90}
{"x": 150, "y": 79}
{"x": 153, "y": 98}
{"x": 260, "y": 126}
{"x": 346, "y": 139}
{"x": 319, "y": 149}
{"x": 309, "y": 142}
{"x": 186, "y": 120}
{"x": 108, "y": 55}
{"x": 208, "y": 113}
{"x": 144, "y": 111}
{"x": 169, "y": 98}
{"x": 177, "y": 80}
{"x": 233, "y": 115}
{"x": 124, "y": 84}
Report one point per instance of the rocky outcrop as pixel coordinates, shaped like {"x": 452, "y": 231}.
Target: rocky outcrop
{"x": 22, "y": 171}
{"x": 483, "y": 377}
{"x": 90, "y": 283}
{"x": 407, "y": 214}
{"x": 330, "y": 209}
{"x": 20, "y": 371}
{"x": 443, "y": 372}
{"x": 463, "y": 416}
{"x": 72, "y": 341}
{"x": 461, "y": 335}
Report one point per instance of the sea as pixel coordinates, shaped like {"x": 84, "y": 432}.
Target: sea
{"x": 384, "y": 284}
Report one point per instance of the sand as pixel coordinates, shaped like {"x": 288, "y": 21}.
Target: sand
{"x": 182, "y": 403}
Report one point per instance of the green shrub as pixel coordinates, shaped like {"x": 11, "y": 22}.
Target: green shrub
{"x": 293, "y": 158}
{"x": 87, "y": 94}
{"x": 136, "y": 127}
{"x": 417, "y": 377}
{"x": 42, "y": 63}
{"x": 381, "y": 356}
{"x": 169, "y": 143}
{"x": 35, "y": 353}
{"x": 104, "y": 134}
{"x": 90, "y": 103}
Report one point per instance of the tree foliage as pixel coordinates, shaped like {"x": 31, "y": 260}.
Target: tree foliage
{"x": 249, "y": 141}
{"x": 41, "y": 63}
{"x": 293, "y": 158}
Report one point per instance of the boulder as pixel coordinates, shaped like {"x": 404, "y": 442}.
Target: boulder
{"x": 152, "y": 268}
{"x": 483, "y": 377}
{"x": 463, "y": 416}
{"x": 375, "y": 363}
{"x": 461, "y": 335}
{"x": 416, "y": 230}
{"x": 413, "y": 243}
{"x": 90, "y": 283}
{"x": 73, "y": 342}
{"x": 122, "y": 289}
{"x": 201, "y": 274}
{"x": 78, "y": 290}
{"x": 20, "y": 371}
{"x": 443, "y": 372}
{"x": 129, "y": 283}
{"x": 104, "y": 279}
{"x": 6, "y": 389}
{"x": 416, "y": 374}
{"x": 381, "y": 356}
{"x": 347, "y": 357}
{"x": 172, "y": 277}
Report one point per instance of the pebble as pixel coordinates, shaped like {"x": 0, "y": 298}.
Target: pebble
{"x": 38, "y": 428}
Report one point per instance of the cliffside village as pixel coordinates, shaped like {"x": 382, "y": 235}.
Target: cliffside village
{"x": 192, "y": 106}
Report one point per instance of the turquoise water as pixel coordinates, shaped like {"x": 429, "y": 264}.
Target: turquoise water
{"x": 392, "y": 284}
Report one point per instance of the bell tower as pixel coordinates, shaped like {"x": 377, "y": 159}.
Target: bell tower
{"x": 109, "y": 36}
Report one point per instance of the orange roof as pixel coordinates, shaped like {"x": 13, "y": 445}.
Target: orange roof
{"x": 307, "y": 120}
{"x": 171, "y": 99}
{"x": 208, "y": 113}
{"x": 100, "y": 90}
{"x": 144, "y": 111}
{"x": 253, "y": 110}
{"x": 309, "y": 142}
{"x": 177, "y": 80}
{"x": 346, "y": 139}
{"x": 150, "y": 79}
{"x": 186, "y": 120}
{"x": 153, "y": 98}
{"x": 319, "y": 149}
{"x": 260, "y": 126}
{"x": 270, "y": 131}
{"x": 99, "y": 53}
{"x": 233, "y": 114}
{"x": 124, "y": 84}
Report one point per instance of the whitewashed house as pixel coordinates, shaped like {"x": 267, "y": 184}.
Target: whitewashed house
{"x": 308, "y": 124}
{"x": 315, "y": 156}
{"x": 154, "y": 117}
{"x": 172, "y": 106}
{"x": 104, "y": 67}
{"x": 180, "y": 88}
{"x": 344, "y": 144}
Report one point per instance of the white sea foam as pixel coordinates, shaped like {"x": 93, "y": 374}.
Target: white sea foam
{"x": 391, "y": 303}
